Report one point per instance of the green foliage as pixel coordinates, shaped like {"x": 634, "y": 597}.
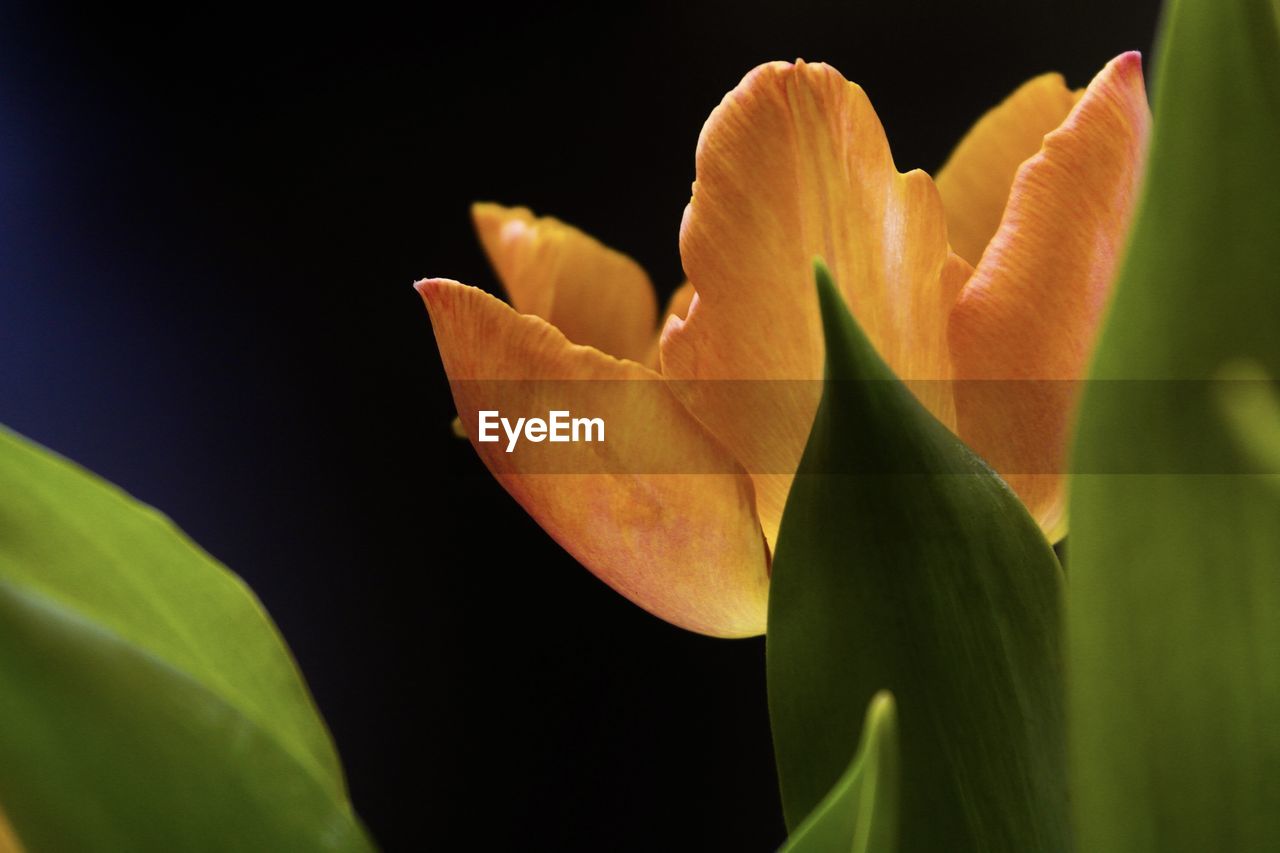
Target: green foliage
{"x": 146, "y": 700}
{"x": 859, "y": 814}
{"x": 921, "y": 574}
{"x": 1175, "y": 578}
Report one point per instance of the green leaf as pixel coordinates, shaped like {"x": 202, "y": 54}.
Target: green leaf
{"x": 859, "y": 814}
{"x": 904, "y": 563}
{"x": 1249, "y": 402}
{"x": 146, "y": 700}
{"x": 1175, "y": 577}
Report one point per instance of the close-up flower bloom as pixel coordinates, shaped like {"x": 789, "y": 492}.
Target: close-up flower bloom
{"x": 984, "y": 285}
{"x": 980, "y": 460}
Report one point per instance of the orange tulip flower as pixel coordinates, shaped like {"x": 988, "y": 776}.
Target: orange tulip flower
{"x": 997, "y": 270}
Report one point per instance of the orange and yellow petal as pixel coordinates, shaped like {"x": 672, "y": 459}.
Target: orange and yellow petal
{"x": 658, "y": 510}
{"x": 8, "y": 838}
{"x": 678, "y": 307}
{"x": 1025, "y": 323}
{"x": 794, "y": 164}
{"x": 595, "y": 295}
{"x": 681, "y": 299}
{"x": 976, "y": 179}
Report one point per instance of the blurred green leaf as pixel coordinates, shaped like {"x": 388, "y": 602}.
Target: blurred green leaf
{"x": 1250, "y": 404}
{"x": 859, "y": 814}
{"x": 146, "y": 700}
{"x": 904, "y": 563}
{"x": 1175, "y": 578}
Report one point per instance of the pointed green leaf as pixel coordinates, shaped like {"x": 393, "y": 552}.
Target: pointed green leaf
{"x": 1175, "y": 577}
{"x": 859, "y": 814}
{"x": 146, "y": 699}
{"x": 904, "y": 563}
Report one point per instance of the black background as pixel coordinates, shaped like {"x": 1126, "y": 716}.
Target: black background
{"x": 209, "y": 223}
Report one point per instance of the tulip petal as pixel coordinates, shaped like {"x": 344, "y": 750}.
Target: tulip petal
{"x": 8, "y": 838}
{"x": 975, "y": 180}
{"x": 1029, "y": 315}
{"x": 681, "y": 299}
{"x": 678, "y": 307}
{"x": 658, "y": 510}
{"x": 794, "y": 164}
{"x": 597, "y": 296}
